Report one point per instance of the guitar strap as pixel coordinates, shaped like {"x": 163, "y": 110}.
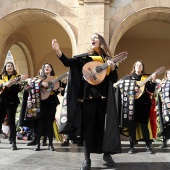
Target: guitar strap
{"x": 100, "y": 59}
{"x": 33, "y": 101}
{"x": 165, "y": 95}
{"x": 127, "y": 89}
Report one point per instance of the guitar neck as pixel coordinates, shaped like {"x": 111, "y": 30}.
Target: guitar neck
{"x": 145, "y": 81}
{"x": 59, "y": 78}
{"x": 104, "y": 66}
{"x": 3, "y": 84}
{"x": 158, "y": 71}
{"x": 13, "y": 81}
{"x": 117, "y": 59}
{"x": 117, "y": 83}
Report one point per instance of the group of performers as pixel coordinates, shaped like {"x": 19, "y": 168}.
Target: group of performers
{"x": 93, "y": 109}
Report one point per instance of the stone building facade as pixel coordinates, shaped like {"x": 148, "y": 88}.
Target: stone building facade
{"x": 140, "y": 27}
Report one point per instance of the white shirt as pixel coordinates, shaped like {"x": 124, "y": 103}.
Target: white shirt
{"x": 5, "y": 129}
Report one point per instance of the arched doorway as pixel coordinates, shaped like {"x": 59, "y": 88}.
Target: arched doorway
{"x": 29, "y": 39}
{"x": 145, "y": 36}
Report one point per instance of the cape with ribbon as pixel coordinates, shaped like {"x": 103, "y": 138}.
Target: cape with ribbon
{"x": 127, "y": 100}
{"x": 33, "y": 100}
{"x": 164, "y": 93}
{"x": 126, "y": 109}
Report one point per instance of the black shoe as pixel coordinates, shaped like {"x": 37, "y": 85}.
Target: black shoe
{"x": 10, "y": 142}
{"x": 86, "y": 165}
{"x": 163, "y": 145}
{"x": 32, "y": 143}
{"x": 13, "y": 146}
{"x": 149, "y": 150}
{"x": 109, "y": 161}
{"x": 43, "y": 143}
{"x": 37, "y": 147}
{"x": 65, "y": 143}
{"x": 51, "y": 148}
{"x": 131, "y": 151}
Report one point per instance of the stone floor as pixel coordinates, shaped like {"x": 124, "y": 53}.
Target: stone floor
{"x": 70, "y": 158}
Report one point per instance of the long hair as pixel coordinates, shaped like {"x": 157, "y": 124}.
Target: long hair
{"x": 42, "y": 73}
{"x": 4, "y": 72}
{"x": 165, "y": 75}
{"x": 104, "y": 48}
{"x": 133, "y": 69}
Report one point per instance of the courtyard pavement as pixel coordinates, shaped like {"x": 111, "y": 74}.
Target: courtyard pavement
{"x": 71, "y": 158}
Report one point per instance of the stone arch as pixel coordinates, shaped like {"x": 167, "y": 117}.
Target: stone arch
{"x": 159, "y": 15}
{"x": 18, "y": 41}
{"x": 146, "y": 14}
{"x": 44, "y": 11}
{"x": 19, "y": 46}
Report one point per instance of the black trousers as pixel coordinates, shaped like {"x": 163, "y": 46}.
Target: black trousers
{"x": 93, "y": 124}
{"x": 145, "y": 132}
{"x": 44, "y": 124}
{"x": 10, "y": 111}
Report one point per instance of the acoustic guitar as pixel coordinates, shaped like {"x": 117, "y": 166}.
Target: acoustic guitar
{"x": 53, "y": 84}
{"x": 94, "y": 72}
{"x": 4, "y": 89}
{"x": 141, "y": 84}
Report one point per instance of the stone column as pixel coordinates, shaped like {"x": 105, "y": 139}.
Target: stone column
{"x": 93, "y": 18}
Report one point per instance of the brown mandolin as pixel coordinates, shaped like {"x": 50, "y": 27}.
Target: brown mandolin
{"x": 141, "y": 84}
{"x": 94, "y": 72}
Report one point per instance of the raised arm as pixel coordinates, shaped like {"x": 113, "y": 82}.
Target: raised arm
{"x": 68, "y": 62}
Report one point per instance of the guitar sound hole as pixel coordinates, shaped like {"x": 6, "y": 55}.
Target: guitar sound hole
{"x": 50, "y": 87}
{"x": 49, "y": 90}
{"x": 98, "y": 69}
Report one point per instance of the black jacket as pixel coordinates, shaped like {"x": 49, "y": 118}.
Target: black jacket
{"x": 10, "y": 95}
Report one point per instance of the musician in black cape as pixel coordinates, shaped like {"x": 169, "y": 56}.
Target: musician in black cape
{"x": 91, "y": 109}
{"x": 38, "y": 112}
{"x": 163, "y": 107}
{"x": 9, "y": 99}
{"x": 132, "y": 110}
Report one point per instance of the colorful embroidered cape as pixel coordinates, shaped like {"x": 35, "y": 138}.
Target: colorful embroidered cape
{"x": 33, "y": 101}
{"x": 165, "y": 96}
{"x": 127, "y": 109}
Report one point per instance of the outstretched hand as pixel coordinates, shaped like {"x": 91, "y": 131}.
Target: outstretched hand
{"x": 56, "y": 47}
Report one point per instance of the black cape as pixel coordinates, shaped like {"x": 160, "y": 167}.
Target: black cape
{"x": 72, "y": 126}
